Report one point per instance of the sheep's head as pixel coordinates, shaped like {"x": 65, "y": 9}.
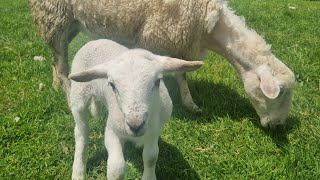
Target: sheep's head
{"x": 133, "y": 82}
{"x": 270, "y": 94}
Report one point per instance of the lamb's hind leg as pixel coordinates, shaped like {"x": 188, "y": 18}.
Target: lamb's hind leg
{"x": 60, "y": 58}
{"x": 186, "y": 97}
{"x": 81, "y": 132}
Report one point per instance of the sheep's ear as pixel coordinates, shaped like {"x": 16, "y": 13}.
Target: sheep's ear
{"x": 268, "y": 85}
{"x": 178, "y": 65}
{"x": 96, "y": 72}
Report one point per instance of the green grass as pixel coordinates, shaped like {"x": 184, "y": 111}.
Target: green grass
{"x": 224, "y": 142}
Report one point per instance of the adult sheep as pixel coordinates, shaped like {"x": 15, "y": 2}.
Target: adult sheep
{"x": 179, "y": 28}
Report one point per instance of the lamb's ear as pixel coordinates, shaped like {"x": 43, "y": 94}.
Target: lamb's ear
{"x": 178, "y": 65}
{"x": 268, "y": 85}
{"x": 96, "y": 72}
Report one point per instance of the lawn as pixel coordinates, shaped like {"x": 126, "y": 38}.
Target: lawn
{"x": 225, "y": 141}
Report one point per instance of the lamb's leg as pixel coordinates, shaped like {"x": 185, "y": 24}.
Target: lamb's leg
{"x": 150, "y": 156}
{"x": 116, "y": 163}
{"x": 186, "y": 97}
{"x": 81, "y": 132}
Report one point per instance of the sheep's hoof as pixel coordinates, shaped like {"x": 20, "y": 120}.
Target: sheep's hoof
{"x": 193, "y": 108}
{"x": 55, "y": 79}
{"x": 55, "y": 85}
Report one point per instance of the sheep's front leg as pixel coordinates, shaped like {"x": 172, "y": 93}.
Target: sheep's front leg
{"x": 81, "y": 132}
{"x": 61, "y": 71}
{"x": 186, "y": 97}
{"x": 59, "y": 45}
{"x": 61, "y": 67}
{"x": 150, "y": 156}
{"x": 116, "y": 163}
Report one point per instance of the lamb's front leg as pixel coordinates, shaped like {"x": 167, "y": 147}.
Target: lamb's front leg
{"x": 186, "y": 97}
{"x": 150, "y": 156}
{"x": 116, "y": 163}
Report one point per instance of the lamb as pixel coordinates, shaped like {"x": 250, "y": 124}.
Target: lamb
{"x": 129, "y": 83}
{"x": 183, "y": 29}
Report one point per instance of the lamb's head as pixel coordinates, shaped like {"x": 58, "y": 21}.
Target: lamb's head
{"x": 270, "y": 93}
{"x": 134, "y": 82}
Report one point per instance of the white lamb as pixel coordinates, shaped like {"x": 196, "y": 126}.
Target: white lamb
{"x": 177, "y": 28}
{"x": 129, "y": 83}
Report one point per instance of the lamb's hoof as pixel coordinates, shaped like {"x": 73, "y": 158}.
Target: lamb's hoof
{"x": 78, "y": 176}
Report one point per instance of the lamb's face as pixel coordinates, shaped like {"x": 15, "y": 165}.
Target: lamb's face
{"x": 271, "y": 100}
{"x": 135, "y": 84}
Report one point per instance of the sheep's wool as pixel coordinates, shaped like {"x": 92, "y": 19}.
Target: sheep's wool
{"x": 168, "y": 27}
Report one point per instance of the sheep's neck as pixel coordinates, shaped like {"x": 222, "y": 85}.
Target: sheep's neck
{"x": 241, "y": 46}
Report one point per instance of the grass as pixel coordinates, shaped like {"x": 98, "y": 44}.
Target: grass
{"x": 224, "y": 142}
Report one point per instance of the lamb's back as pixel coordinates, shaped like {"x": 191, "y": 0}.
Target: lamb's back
{"x": 96, "y": 52}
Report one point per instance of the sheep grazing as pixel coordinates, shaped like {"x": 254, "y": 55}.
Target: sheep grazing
{"x": 178, "y": 28}
{"x": 129, "y": 83}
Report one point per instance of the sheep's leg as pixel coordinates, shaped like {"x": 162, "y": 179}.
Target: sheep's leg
{"x": 60, "y": 58}
{"x": 61, "y": 69}
{"x": 186, "y": 97}
{"x": 116, "y": 163}
{"x": 150, "y": 157}
{"x": 81, "y": 133}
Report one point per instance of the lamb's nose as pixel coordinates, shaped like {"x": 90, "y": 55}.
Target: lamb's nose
{"x": 135, "y": 126}
{"x": 136, "y": 122}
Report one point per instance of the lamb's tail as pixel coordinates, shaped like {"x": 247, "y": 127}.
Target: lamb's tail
{"x": 50, "y": 16}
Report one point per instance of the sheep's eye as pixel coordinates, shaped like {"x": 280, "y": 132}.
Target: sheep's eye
{"x": 157, "y": 83}
{"x": 113, "y": 87}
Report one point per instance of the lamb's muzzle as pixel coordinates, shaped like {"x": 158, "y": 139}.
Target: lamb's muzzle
{"x": 136, "y": 123}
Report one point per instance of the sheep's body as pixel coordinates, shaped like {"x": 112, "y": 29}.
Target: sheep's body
{"x": 129, "y": 83}
{"x": 178, "y": 28}
{"x": 163, "y": 27}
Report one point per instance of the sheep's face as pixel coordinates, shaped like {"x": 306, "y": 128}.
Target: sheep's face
{"x": 270, "y": 96}
{"x": 134, "y": 80}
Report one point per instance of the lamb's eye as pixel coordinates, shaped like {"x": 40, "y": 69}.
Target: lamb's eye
{"x": 157, "y": 83}
{"x": 113, "y": 87}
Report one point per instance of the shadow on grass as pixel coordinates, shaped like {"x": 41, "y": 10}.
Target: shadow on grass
{"x": 215, "y": 100}
{"x": 170, "y": 165}
{"x": 98, "y": 159}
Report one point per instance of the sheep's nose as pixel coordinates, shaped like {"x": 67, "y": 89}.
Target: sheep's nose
{"x": 135, "y": 127}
